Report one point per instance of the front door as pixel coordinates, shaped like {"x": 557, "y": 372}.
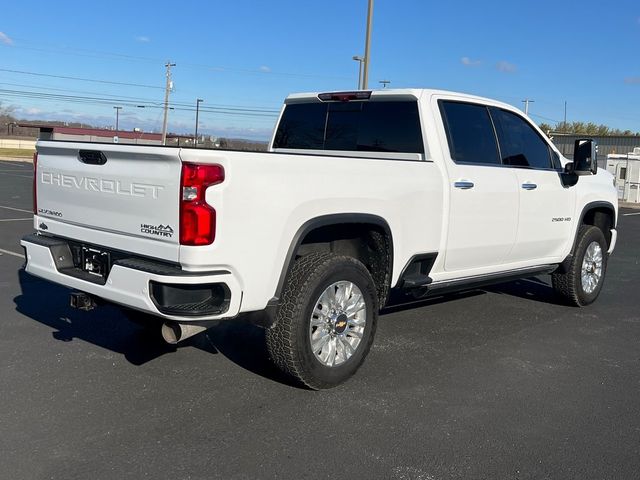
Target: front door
{"x": 546, "y": 207}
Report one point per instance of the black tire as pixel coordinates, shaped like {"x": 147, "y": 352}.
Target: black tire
{"x": 569, "y": 285}
{"x": 288, "y": 340}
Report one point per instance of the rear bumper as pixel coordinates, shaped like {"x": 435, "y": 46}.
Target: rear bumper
{"x": 142, "y": 285}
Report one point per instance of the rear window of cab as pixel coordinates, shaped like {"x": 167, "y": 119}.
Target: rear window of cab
{"x": 364, "y": 126}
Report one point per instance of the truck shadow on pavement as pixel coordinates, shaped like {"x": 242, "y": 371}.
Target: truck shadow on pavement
{"x": 239, "y": 341}
{"x": 107, "y": 327}
{"x": 533, "y": 289}
{"x": 529, "y": 289}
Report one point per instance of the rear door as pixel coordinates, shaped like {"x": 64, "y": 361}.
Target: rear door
{"x": 125, "y": 197}
{"x": 483, "y": 213}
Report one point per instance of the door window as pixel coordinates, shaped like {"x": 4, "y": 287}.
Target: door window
{"x": 470, "y": 133}
{"x": 520, "y": 144}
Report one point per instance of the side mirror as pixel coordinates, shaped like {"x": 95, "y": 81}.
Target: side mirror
{"x": 585, "y": 157}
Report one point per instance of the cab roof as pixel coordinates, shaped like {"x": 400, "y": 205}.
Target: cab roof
{"x": 405, "y": 93}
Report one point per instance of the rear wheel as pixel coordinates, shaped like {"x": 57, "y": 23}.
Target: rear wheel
{"x": 583, "y": 280}
{"x": 326, "y": 323}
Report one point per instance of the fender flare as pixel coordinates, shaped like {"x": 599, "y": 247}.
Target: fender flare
{"x": 564, "y": 265}
{"x": 324, "y": 221}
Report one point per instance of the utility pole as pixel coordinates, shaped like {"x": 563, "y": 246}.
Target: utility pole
{"x": 367, "y": 47}
{"x": 384, "y": 83}
{"x": 526, "y": 102}
{"x": 565, "y": 112}
{"x": 195, "y": 138}
{"x": 360, "y": 60}
{"x": 117, "y": 117}
{"x": 167, "y": 90}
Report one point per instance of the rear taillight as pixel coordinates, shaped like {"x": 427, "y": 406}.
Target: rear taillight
{"x": 197, "y": 218}
{"x": 35, "y": 183}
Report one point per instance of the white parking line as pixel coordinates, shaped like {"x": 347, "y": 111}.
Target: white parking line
{"x": 14, "y": 219}
{"x": 7, "y": 252}
{"x": 629, "y": 214}
{"x": 17, "y": 166}
{"x": 23, "y": 162}
{"x": 16, "y": 209}
{"x": 16, "y": 175}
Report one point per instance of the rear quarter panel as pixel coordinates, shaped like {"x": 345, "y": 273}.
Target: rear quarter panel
{"x": 267, "y": 197}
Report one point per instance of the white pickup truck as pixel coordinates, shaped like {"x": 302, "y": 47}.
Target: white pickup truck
{"x": 361, "y": 194}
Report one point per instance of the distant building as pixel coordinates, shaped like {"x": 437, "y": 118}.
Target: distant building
{"x": 609, "y": 144}
{"x": 100, "y": 135}
{"x": 626, "y": 169}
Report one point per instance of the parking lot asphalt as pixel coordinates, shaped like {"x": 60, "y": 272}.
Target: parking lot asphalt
{"x": 504, "y": 382}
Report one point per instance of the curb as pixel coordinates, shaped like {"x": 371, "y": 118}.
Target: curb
{"x": 635, "y": 206}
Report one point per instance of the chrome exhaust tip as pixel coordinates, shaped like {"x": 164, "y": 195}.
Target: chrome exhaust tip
{"x": 174, "y": 332}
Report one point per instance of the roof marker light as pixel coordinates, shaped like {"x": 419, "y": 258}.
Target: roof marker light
{"x": 345, "y": 96}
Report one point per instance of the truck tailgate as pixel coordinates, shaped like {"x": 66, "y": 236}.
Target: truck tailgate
{"x": 122, "y": 191}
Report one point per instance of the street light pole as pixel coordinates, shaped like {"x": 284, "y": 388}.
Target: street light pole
{"x": 195, "y": 139}
{"x": 117, "y": 117}
{"x": 367, "y": 47}
{"x": 359, "y": 59}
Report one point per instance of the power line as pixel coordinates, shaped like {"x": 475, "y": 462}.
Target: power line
{"x": 214, "y": 68}
{"x": 65, "y": 50}
{"x": 80, "y": 79}
{"x": 131, "y": 103}
{"x": 138, "y": 100}
{"x": 106, "y": 95}
{"x": 544, "y": 118}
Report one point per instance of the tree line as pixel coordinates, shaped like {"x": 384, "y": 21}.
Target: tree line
{"x": 585, "y": 128}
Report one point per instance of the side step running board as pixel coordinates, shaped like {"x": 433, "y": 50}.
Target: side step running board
{"x": 485, "y": 280}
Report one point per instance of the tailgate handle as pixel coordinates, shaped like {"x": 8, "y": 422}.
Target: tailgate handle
{"x": 92, "y": 157}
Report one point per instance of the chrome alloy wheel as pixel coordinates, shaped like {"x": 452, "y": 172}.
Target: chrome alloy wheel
{"x": 591, "y": 272}
{"x": 337, "y": 323}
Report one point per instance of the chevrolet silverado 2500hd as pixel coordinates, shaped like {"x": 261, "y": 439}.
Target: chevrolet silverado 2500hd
{"x": 361, "y": 194}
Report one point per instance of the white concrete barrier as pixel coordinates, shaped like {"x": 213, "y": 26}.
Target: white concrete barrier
{"x": 17, "y": 143}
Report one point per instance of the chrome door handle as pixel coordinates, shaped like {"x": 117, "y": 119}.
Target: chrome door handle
{"x": 463, "y": 184}
{"x": 529, "y": 186}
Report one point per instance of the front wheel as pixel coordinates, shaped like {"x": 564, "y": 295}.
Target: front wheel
{"x": 327, "y": 320}
{"x": 582, "y": 282}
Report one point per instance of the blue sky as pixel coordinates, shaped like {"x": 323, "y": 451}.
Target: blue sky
{"x": 251, "y": 54}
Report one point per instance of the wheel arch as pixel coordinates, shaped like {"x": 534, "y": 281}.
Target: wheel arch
{"x": 601, "y": 214}
{"x": 362, "y": 221}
